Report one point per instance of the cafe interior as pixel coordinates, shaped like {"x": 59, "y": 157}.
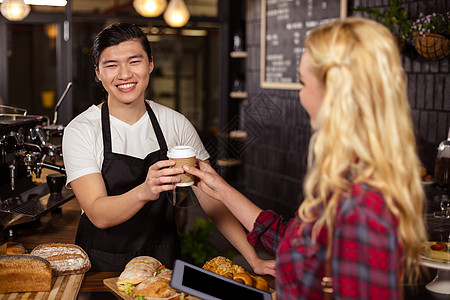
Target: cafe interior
{"x": 210, "y": 66}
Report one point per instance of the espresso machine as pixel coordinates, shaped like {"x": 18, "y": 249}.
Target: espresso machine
{"x": 26, "y": 148}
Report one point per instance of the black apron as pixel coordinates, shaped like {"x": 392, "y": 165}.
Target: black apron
{"x": 151, "y": 231}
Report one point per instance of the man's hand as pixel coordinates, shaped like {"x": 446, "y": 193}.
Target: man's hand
{"x": 160, "y": 178}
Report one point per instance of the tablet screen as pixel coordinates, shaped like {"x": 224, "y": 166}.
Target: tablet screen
{"x": 204, "y": 284}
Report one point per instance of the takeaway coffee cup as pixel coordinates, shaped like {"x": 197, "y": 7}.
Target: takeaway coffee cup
{"x": 183, "y": 155}
{"x": 184, "y": 197}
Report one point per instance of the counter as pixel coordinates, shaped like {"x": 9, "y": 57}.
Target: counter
{"x": 93, "y": 287}
{"x": 60, "y": 226}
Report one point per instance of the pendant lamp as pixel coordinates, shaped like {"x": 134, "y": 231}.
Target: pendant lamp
{"x": 15, "y": 10}
{"x": 149, "y": 8}
{"x": 176, "y": 14}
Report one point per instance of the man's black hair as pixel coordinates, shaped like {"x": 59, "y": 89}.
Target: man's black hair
{"x": 115, "y": 34}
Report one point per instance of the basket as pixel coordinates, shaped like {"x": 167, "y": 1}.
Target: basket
{"x": 432, "y": 46}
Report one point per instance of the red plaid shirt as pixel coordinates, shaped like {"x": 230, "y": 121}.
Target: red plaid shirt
{"x": 366, "y": 260}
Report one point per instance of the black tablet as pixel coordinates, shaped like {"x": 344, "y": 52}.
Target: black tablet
{"x": 207, "y": 285}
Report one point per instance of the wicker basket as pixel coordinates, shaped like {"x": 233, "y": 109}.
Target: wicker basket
{"x": 432, "y": 46}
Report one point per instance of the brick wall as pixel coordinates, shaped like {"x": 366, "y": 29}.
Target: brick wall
{"x": 276, "y": 151}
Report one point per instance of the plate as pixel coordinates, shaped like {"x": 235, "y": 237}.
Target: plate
{"x": 427, "y": 182}
{"x": 435, "y": 263}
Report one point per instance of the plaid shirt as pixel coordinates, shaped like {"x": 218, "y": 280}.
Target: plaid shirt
{"x": 366, "y": 260}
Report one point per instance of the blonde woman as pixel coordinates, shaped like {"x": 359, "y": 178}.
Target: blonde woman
{"x": 363, "y": 195}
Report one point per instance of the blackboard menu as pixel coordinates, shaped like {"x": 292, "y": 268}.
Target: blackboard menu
{"x": 284, "y": 26}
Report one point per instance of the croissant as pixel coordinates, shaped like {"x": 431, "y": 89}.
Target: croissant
{"x": 244, "y": 278}
{"x": 225, "y": 267}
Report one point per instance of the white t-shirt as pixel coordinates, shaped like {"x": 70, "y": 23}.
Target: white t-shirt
{"x": 82, "y": 143}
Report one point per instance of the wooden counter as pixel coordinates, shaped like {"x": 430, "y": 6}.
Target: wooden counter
{"x": 60, "y": 226}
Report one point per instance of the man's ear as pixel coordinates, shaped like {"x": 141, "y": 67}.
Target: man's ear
{"x": 97, "y": 75}
{"x": 152, "y": 66}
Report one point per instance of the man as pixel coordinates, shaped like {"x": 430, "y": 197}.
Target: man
{"x": 115, "y": 157}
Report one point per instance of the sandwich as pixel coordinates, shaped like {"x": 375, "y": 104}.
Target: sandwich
{"x": 136, "y": 271}
{"x": 154, "y": 287}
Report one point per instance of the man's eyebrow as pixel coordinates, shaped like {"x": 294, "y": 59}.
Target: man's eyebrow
{"x": 136, "y": 56}
{"x": 108, "y": 61}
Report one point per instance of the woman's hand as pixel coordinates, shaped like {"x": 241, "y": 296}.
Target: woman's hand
{"x": 209, "y": 181}
{"x": 264, "y": 267}
{"x": 160, "y": 178}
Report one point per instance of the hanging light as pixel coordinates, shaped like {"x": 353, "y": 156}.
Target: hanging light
{"x": 51, "y": 30}
{"x": 15, "y": 10}
{"x": 150, "y": 8}
{"x": 177, "y": 14}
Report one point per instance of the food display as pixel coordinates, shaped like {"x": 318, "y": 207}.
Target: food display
{"x": 36, "y": 272}
{"x": 225, "y": 267}
{"x": 145, "y": 277}
{"x": 65, "y": 259}
{"x": 436, "y": 250}
{"x": 24, "y": 273}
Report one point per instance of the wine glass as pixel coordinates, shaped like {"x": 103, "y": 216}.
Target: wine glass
{"x": 445, "y": 208}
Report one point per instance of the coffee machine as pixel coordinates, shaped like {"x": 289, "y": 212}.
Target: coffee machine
{"x": 26, "y": 148}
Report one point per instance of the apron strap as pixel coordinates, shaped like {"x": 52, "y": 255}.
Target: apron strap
{"x": 157, "y": 129}
{"x": 106, "y": 128}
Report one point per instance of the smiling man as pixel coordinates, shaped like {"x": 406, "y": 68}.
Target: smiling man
{"x": 115, "y": 155}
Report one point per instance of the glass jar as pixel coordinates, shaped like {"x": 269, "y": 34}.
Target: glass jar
{"x": 442, "y": 166}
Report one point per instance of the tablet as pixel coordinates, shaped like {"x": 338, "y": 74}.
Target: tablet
{"x": 207, "y": 285}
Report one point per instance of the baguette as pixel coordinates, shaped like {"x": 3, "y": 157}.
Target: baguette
{"x": 24, "y": 273}
{"x": 65, "y": 259}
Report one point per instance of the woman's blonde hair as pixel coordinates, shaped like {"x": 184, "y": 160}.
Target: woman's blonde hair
{"x": 364, "y": 132}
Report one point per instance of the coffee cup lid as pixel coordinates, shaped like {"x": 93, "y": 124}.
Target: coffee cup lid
{"x": 181, "y": 152}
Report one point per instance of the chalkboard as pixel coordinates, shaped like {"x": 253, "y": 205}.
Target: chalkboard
{"x": 284, "y": 26}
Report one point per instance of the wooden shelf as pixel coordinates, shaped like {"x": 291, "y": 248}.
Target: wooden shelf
{"x": 238, "y": 54}
{"x": 238, "y": 95}
{"x": 229, "y": 162}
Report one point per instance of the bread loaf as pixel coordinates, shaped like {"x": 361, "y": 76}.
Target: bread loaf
{"x": 24, "y": 273}
{"x": 12, "y": 248}
{"x": 65, "y": 259}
